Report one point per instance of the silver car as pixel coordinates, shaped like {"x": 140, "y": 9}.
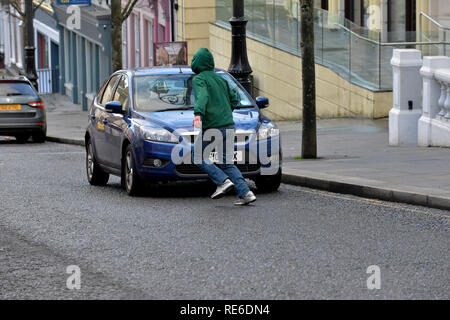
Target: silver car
{"x": 22, "y": 112}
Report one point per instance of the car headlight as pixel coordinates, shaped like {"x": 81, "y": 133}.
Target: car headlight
{"x": 267, "y": 130}
{"x": 159, "y": 135}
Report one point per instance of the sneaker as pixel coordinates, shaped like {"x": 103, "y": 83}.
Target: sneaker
{"x": 245, "y": 200}
{"x": 222, "y": 189}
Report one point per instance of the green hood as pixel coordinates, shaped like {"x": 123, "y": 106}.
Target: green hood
{"x": 203, "y": 61}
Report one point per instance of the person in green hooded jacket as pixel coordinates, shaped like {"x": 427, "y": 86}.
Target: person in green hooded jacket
{"x": 214, "y": 105}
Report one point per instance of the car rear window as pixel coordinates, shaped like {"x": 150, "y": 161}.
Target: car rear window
{"x": 16, "y": 89}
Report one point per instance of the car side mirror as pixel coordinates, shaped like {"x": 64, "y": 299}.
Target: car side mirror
{"x": 114, "y": 107}
{"x": 262, "y": 102}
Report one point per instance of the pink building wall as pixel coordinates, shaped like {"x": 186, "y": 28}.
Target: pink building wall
{"x": 148, "y": 16}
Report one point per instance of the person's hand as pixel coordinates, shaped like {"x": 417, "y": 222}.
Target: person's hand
{"x": 197, "y": 123}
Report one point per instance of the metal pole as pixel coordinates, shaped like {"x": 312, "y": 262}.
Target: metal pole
{"x": 420, "y": 32}
{"x": 239, "y": 65}
{"x": 379, "y": 61}
{"x": 350, "y": 57}
{"x": 445, "y": 42}
{"x": 322, "y": 27}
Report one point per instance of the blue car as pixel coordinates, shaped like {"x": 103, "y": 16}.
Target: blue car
{"x": 139, "y": 116}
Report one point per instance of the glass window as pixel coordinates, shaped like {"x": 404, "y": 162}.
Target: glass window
{"x": 150, "y": 43}
{"x": 12, "y": 29}
{"x": 124, "y": 44}
{"x": 43, "y": 51}
{"x": 10, "y": 89}
{"x": 161, "y": 32}
{"x": 368, "y": 22}
{"x": 137, "y": 57}
{"x": 241, "y": 94}
{"x": 165, "y": 92}
{"x": 107, "y": 95}
{"x": 122, "y": 92}
{"x": 88, "y": 67}
{"x": 66, "y": 45}
{"x": 100, "y": 92}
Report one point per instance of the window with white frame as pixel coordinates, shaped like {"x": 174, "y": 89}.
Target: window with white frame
{"x": 2, "y": 40}
{"x": 67, "y": 50}
{"x": 149, "y": 43}
{"x": 124, "y": 44}
{"x": 43, "y": 59}
{"x": 89, "y": 87}
{"x": 137, "y": 56}
{"x": 19, "y": 24}
{"x": 12, "y": 28}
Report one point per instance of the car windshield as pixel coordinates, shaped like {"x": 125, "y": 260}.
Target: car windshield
{"x": 8, "y": 89}
{"x": 174, "y": 92}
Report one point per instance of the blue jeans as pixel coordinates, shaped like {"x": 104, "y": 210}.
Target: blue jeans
{"x": 220, "y": 172}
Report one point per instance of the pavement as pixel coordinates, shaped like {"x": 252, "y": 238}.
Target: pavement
{"x": 354, "y": 157}
{"x": 174, "y": 242}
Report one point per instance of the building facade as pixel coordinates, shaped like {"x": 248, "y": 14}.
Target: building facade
{"x": 354, "y": 41}
{"x": 395, "y": 20}
{"x": 46, "y": 40}
{"x": 11, "y": 38}
{"x": 149, "y": 22}
{"x": 85, "y": 49}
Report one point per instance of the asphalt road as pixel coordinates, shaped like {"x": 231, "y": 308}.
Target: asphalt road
{"x": 176, "y": 243}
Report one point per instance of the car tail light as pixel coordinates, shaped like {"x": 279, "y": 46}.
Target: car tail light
{"x": 36, "y": 104}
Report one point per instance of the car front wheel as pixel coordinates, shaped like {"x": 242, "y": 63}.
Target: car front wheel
{"x": 96, "y": 176}
{"x": 265, "y": 184}
{"x": 131, "y": 180}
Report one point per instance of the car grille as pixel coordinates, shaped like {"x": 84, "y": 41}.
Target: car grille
{"x": 195, "y": 170}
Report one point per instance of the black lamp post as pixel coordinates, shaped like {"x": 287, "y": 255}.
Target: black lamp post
{"x": 30, "y": 70}
{"x": 239, "y": 66}
{"x": 30, "y": 67}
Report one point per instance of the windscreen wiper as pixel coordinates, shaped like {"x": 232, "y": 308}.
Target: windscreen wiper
{"x": 175, "y": 109}
{"x": 244, "y": 106}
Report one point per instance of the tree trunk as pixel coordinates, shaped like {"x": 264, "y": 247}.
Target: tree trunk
{"x": 309, "y": 137}
{"x": 116, "y": 35}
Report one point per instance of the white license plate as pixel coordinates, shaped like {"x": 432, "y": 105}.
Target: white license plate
{"x": 214, "y": 156}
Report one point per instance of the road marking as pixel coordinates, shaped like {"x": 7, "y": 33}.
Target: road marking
{"x": 373, "y": 201}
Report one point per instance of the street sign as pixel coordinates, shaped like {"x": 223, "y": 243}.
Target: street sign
{"x": 71, "y": 2}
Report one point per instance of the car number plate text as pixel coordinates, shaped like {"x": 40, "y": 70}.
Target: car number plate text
{"x": 10, "y": 107}
{"x": 214, "y": 156}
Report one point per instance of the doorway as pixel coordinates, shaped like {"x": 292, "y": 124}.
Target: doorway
{"x": 402, "y": 24}
{"x": 354, "y": 11}
{"x": 54, "y": 53}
